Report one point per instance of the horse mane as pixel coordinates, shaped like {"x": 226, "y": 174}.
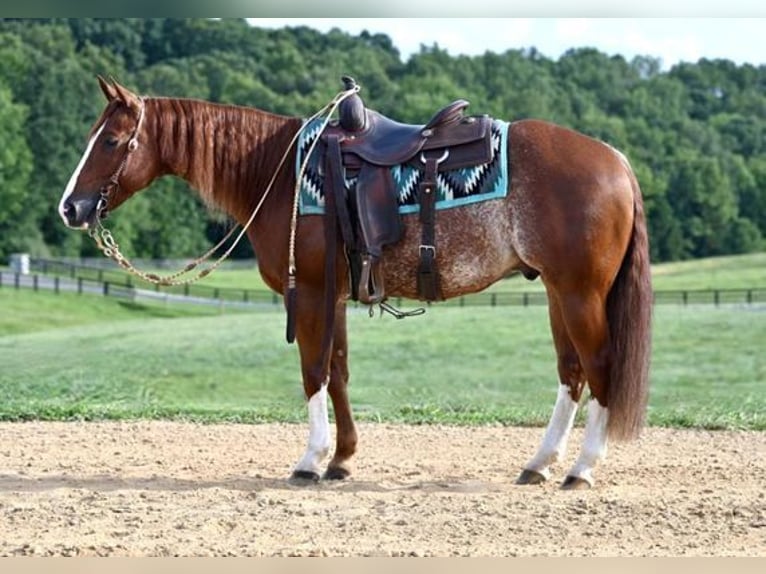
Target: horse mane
{"x": 226, "y": 152}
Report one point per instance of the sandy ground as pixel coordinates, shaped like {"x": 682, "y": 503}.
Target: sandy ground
{"x": 162, "y": 488}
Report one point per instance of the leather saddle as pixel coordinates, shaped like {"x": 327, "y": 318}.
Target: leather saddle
{"x": 363, "y": 145}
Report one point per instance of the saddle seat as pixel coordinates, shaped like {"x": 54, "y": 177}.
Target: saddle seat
{"x": 365, "y": 144}
{"x": 386, "y": 142}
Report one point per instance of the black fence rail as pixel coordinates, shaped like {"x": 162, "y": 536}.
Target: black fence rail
{"x": 116, "y": 277}
{"x": 67, "y": 277}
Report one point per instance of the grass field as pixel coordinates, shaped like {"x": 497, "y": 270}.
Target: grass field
{"x": 71, "y": 356}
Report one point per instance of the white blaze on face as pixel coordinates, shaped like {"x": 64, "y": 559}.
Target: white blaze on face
{"x": 75, "y": 176}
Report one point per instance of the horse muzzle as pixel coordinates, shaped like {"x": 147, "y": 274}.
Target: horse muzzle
{"x": 81, "y": 213}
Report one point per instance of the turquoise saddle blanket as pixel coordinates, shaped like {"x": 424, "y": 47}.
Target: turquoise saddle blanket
{"x": 455, "y": 188}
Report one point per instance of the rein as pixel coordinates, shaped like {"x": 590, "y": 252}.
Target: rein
{"x": 110, "y": 248}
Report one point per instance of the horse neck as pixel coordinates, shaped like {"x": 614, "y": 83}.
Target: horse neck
{"x": 227, "y": 153}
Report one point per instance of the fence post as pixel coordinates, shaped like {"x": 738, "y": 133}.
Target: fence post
{"x": 16, "y": 278}
{"x": 716, "y": 297}
{"x": 106, "y": 288}
{"x": 56, "y": 285}
{"x": 79, "y": 285}
{"x": 493, "y": 300}
{"x": 684, "y": 297}
{"x": 1, "y": 278}
{"x": 526, "y": 299}
{"x": 35, "y": 282}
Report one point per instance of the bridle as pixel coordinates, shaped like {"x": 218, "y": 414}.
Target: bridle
{"x": 113, "y": 183}
{"x": 109, "y": 247}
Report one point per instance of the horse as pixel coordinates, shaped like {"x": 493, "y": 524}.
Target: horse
{"x": 573, "y": 215}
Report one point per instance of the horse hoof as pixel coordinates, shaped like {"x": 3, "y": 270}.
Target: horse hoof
{"x": 303, "y": 478}
{"x": 575, "y": 483}
{"x": 530, "y": 477}
{"x": 336, "y": 473}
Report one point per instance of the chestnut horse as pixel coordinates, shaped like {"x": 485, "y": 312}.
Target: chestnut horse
{"x": 573, "y": 215}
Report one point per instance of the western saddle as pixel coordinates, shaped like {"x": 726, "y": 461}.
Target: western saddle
{"x": 364, "y": 144}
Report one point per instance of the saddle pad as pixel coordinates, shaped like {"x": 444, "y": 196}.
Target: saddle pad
{"x": 455, "y": 188}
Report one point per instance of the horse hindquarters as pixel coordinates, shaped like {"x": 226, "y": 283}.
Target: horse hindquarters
{"x": 621, "y": 413}
{"x": 591, "y": 246}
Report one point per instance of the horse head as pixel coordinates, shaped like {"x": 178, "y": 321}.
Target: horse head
{"x": 118, "y": 160}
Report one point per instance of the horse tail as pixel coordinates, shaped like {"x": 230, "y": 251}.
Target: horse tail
{"x": 629, "y": 313}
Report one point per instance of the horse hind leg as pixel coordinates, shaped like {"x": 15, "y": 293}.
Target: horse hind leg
{"x": 586, "y": 322}
{"x": 571, "y": 377}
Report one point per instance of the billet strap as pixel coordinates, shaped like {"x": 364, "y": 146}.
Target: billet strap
{"x": 428, "y": 275}
{"x": 333, "y": 203}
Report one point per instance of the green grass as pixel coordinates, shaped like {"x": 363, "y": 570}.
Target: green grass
{"x": 80, "y": 357}
{"x": 740, "y": 272}
{"x": 23, "y": 311}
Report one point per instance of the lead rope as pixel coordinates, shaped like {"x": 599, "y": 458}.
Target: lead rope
{"x": 110, "y": 248}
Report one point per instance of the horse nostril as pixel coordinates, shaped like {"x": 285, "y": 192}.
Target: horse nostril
{"x": 70, "y": 211}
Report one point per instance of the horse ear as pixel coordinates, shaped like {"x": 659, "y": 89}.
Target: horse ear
{"x": 126, "y": 96}
{"x": 108, "y": 89}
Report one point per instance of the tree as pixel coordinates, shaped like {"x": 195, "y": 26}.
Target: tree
{"x": 704, "y": 202}
{"x": 696, "y": 135}
{"x": 15, "y": 168}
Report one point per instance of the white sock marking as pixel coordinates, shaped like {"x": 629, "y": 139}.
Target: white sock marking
{"x": 556, "y": 435}
{"x": 319, "y": 433}
{"x": 75, "y": 176}
{"x": 594, "y": 444}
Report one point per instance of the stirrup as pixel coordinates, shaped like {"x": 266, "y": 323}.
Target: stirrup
{"x": 369, "y": 277}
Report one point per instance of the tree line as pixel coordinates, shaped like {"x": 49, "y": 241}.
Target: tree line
{"x": 695, "y": 134}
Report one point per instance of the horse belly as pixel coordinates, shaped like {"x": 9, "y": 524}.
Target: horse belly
{"x": 473, "y": 250}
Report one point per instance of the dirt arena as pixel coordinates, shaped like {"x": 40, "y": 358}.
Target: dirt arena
{"x": 166, "y": 489}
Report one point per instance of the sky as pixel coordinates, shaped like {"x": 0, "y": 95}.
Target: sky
{"x": 672, "y": 40}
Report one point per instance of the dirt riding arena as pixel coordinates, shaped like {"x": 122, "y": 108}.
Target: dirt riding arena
{"x": 161, "y": 488}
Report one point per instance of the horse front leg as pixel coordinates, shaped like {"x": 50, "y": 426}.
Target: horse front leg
{"x": 315, "y": 366}
{"x": 323, "y": 375}
{"x": 346, "y": 438}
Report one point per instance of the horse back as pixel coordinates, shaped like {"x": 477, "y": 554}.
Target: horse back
{"x": 568, "y": 212}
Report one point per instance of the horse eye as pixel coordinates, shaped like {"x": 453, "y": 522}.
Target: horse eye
{"x": 111, "y": 141}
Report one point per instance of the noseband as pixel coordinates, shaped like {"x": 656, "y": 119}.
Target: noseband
{"x": 113, "y": 183}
